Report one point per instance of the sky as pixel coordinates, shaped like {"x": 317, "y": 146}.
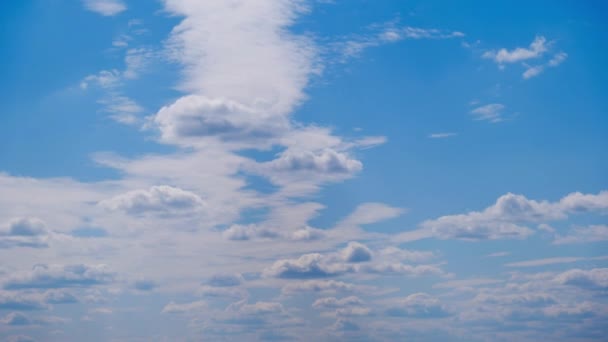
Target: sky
{"x": 303, "y": 170}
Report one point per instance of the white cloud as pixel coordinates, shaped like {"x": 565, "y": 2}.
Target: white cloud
{"x": 334, "y": 303}
{"x": 594, "y": 278}
{"x": 251, "y": 91}
{"x": 508, "y": 216}
{"x": 157, "y": 199}
{"x": 356, "y": 252}
{"x": 369, "y": 213}
{"x": 326, "y": 161}
{"x": 491, "y": 112}
{"x": 536, "y": 70}
{"x": 319, "y": 286}
{"x": 312, "y": 265}
{"x": 592, "y": 233}
{"x": 417, "y": 305}
{"x": 390, "y": 33}
{"x": 106, "y": 7}
{"x": 173, "y": 307}
{"x": 536, "y": 49}
{"x": 442, "y": 135}
{"x": 58, "y": 276}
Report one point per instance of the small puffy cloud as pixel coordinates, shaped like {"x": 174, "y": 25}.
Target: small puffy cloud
{"x": 596, "y": 278}
{"x": 307, "y": 266}
{"x": 418, "y": 305}
{"x": 326, "y": 161}
{"x": 55, "y": 276}
{"x": 240, "y": 232}
{"x": 194, "y": 117}
{"x": 491, "y": 112}
{"x": 506, "y": 218}
{"x": 106, "y": 8}
{"x": 225, "y": 280}
{"x": 356, "y": 252}
{"x": 161, "y": 199}
{"x": 536, "y": 49}
{"x": 173, "y": 307}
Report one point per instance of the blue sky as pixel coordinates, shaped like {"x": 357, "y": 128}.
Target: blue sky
{"x": 185, "y": 170}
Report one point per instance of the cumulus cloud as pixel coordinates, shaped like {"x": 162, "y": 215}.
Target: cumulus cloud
{"x": 240, "y": 232}
{"x": 106, "y": 8}
{"x": 248, "y": 94}
{"x": 56, "y": 276}
{"x": 157, "y": 199}
{"x": 356, "y": 252}
{"x": 418, "y": 305}
{"x": 508, "y": 216}
{"x": 326, "y": 161}
{"x": 313, "y": 265}
{"x": 193, "y": 117}
{"x": 536, "y": 49}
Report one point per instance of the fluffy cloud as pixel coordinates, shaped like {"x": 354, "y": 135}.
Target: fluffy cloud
{"x": 326, "y": 161}
{"x": 307, "y": 266}
{"x": 356, "y": 252}
{"x": 105, "y": 7}
{"x": 536, "y": 49}
{"x": 248, "y": 94}
{"x": 55, "y": 276}
{"x": 418, "y": 305}
{"x": 194, "y": 117}
{"x": 504, "y": 219}
{"x": 158, "y": 199}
